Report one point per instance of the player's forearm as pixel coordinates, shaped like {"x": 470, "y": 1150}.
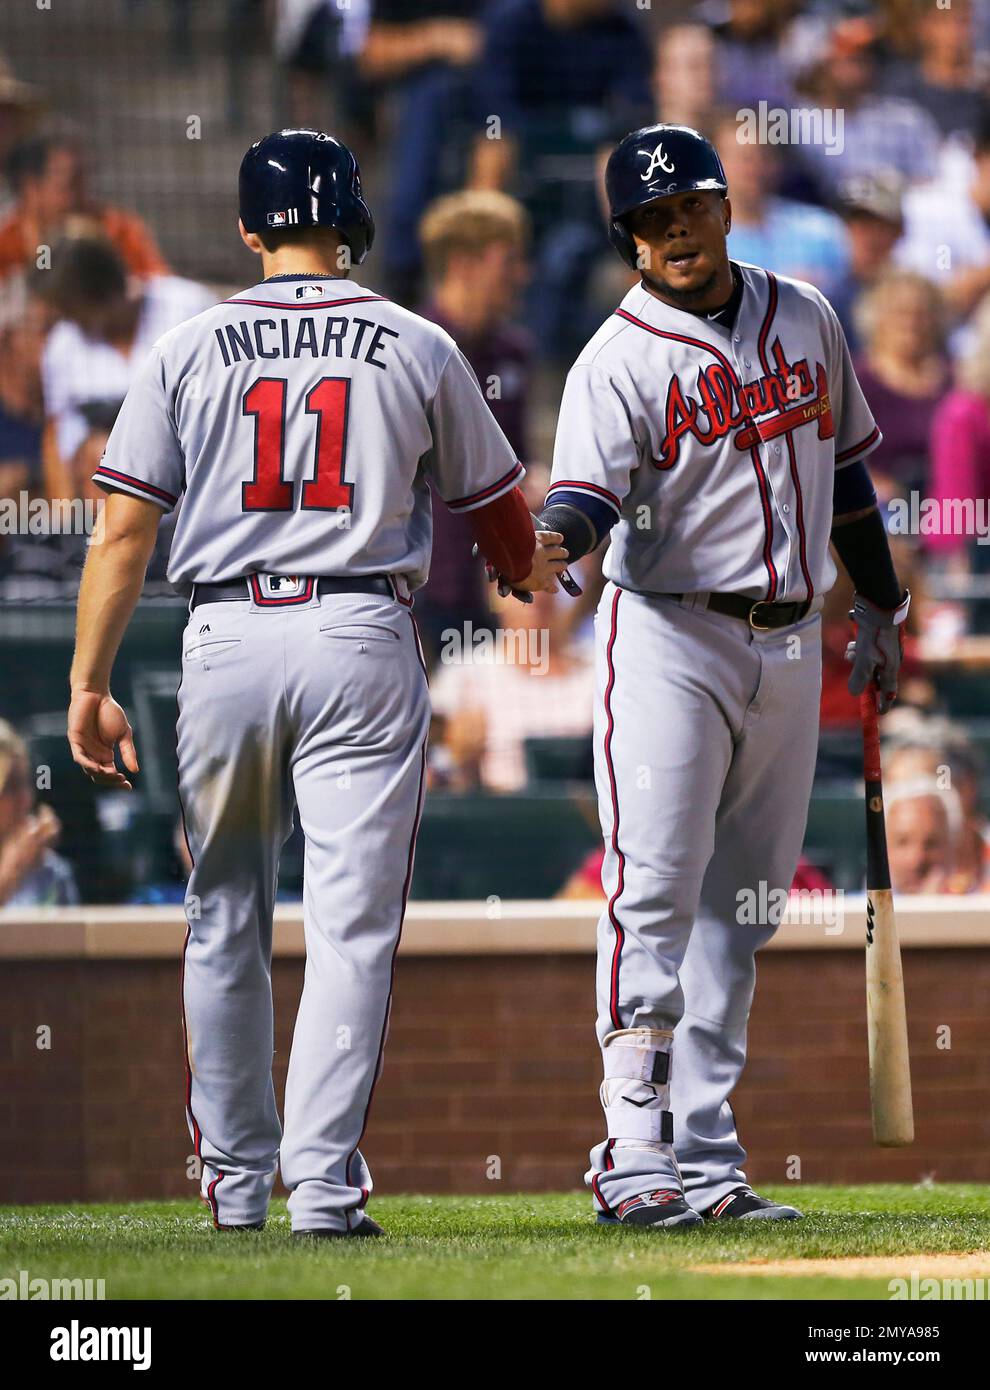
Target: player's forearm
{"x": 583, "y": 520}
{"x": 505, "y": 535}
{"x": 110, "y": 588}
{"x": 574, "y": 524}
{"x": 860, "y": 540}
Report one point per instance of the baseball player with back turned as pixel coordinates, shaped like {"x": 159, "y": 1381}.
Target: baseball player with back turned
{"x": 299, "y": 422}
{"x": 715, "y": 429}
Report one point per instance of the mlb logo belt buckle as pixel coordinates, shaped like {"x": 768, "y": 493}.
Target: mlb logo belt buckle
{"x": 280, "y": 585}
{"x": 281, "y": 590}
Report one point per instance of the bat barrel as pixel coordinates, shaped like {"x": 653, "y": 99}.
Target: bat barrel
{"x": 890, "y": 1068}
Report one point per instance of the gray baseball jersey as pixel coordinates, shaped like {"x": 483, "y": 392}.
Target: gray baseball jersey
{"x": 716, "y": 447}
{"x": 298, "y": 421}
{"x": 717, "y": 450}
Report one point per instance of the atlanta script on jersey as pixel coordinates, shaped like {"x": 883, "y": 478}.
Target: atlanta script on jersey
{"x": 716, "y": 447}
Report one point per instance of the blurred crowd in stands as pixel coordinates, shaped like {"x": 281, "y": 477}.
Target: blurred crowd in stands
{"x": 856, "y": 141}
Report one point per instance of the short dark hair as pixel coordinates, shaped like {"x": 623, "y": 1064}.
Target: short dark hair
{"x": 84, "y": 270}
{"x": 29, "y": 158}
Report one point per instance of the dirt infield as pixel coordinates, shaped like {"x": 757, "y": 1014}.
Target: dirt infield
{"x": 970, "y": 1265}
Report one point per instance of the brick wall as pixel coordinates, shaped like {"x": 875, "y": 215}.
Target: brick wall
{"x": 489, "y": 1056}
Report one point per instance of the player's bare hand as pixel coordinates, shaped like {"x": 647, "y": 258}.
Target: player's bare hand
{"x": 97, "y": 727}
{"x": 549, "y": 560}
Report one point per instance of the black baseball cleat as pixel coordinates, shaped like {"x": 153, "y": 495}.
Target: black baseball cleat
{"x": 365, "y": 1227}
{"x": 244, "y": 1226}
{"x": 743, "y": 1204}
{"x": 666, "y": 1208}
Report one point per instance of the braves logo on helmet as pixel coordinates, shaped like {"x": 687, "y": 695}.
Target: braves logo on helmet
{"x": 658, "y": 160}
{"x": 677, "y": 159}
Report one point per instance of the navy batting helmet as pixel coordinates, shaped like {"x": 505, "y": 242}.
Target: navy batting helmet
{"x": 654, "y": 163}
{"x": 304, "y": 178}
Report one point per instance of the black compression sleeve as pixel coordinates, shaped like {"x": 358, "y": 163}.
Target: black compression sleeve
{"x": 576, "y": 527}
{"x": 863, "y": 548}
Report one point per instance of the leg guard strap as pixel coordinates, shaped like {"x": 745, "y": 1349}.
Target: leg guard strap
{"x": 627, "y": 1121}
{"x": 638, "y": 1054}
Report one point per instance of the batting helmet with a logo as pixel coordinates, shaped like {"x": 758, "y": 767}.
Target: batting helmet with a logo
{"x": 655, "y": 162}
{"x": 305, "y": 178}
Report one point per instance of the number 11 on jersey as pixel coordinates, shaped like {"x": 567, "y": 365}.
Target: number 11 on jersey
{"x": 268, "y": 490}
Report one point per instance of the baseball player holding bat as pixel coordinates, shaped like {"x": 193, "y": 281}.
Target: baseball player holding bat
{"x": 298, "y": 422}
{"x": 714, "y": 429}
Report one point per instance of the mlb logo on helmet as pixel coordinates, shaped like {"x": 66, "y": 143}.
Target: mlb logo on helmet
{"x": 283, "y": 219}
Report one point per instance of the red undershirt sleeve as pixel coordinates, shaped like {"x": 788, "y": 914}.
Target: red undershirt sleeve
{"x": 505, "y": 535}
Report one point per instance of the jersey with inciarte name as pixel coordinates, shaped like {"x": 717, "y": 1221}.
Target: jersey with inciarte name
{"x": 298, "y": 422}
{"x": 715, "y": 447}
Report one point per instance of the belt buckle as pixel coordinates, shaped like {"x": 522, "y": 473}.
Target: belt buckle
{"x": 754, "y": 625}
{"x": 276, "y": 586}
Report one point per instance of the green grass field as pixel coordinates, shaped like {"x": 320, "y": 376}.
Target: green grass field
{"x": 513, "y": 1247}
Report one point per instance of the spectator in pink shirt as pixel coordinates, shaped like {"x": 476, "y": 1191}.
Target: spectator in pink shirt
{"x": 960, "y": 458}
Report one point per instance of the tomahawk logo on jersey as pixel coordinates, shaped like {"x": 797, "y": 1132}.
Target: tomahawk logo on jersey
{"x": 729, "y": 487}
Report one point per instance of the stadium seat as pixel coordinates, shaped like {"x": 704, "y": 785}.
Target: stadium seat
{"x": 557, "y": 760}
{"x": 835, "y": 837}
{"x": 481, "y": 846}
{"x": 963, "y": 694}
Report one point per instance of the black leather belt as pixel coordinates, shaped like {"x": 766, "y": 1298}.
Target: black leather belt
{"x": 761, "y": 615}
{"x": 233, "y": 589}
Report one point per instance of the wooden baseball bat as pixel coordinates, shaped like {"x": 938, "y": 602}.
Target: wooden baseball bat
{"x": 886, "y": 1018}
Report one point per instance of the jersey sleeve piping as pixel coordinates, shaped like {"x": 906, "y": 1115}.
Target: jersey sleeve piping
{"x": 112, "y": 480}
{"x": 490, "y": 493}
{"x": 575, "y": 485}
{"x": 860, "y": 450}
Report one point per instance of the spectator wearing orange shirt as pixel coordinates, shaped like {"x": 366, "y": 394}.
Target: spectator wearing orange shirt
{"x": 47, "y": 175}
